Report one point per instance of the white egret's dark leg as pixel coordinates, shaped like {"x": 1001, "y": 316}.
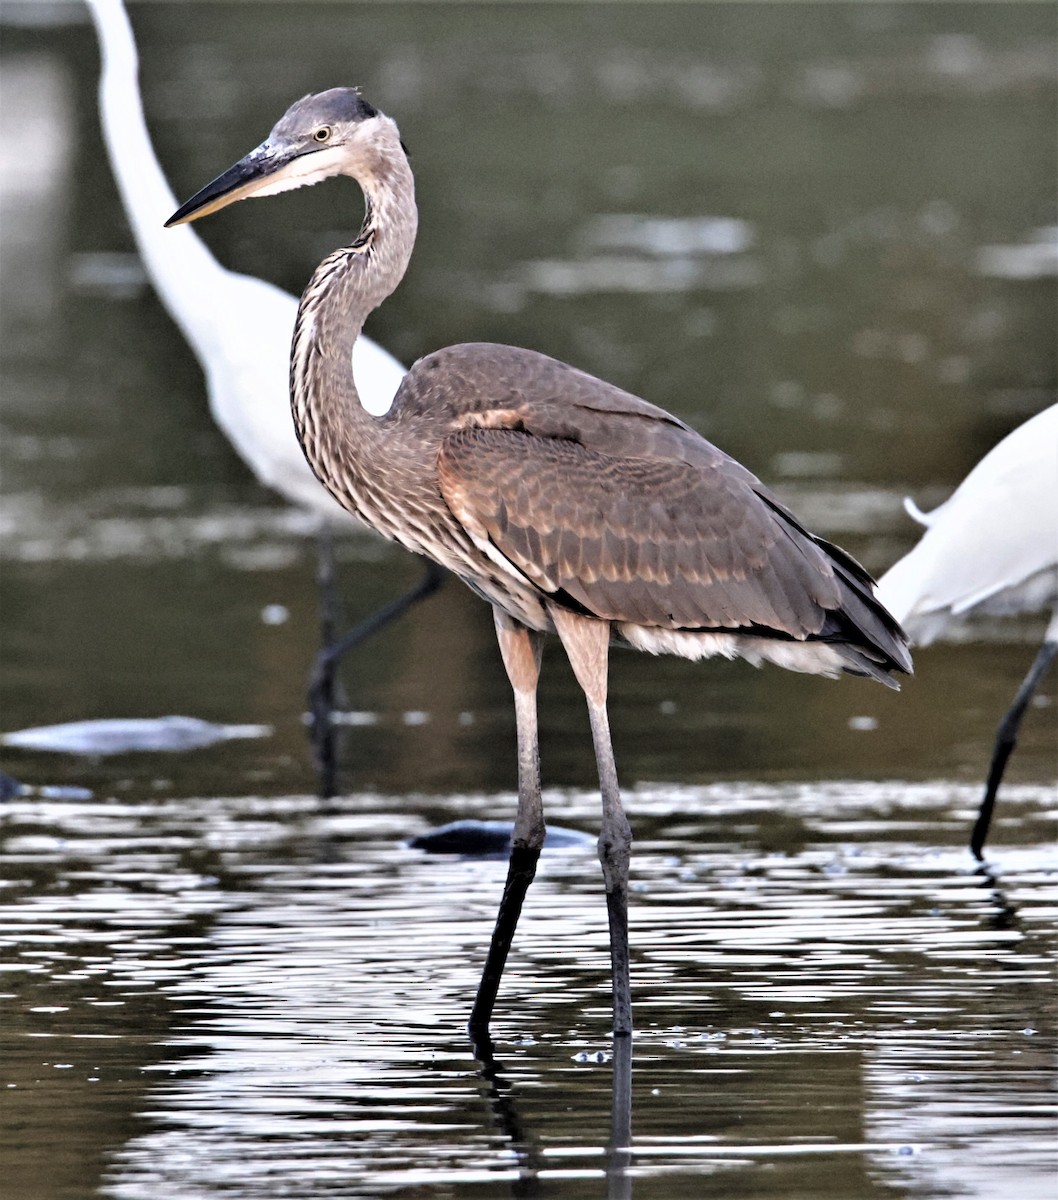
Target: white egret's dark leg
{"x": 322, "y": 679}
{"x": 521, "y": 649}
{"x": 1006, "y": 740}
{"x": 332, "y": 652}
{"x": 321, "y": 687}
{"x": 587, "y": 642}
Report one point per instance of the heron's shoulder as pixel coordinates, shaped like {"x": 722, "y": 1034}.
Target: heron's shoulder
{"x": 478, "y": 375}
{"x": 508, "y": 387}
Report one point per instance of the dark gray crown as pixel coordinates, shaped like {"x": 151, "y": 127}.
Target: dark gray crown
{"x": 337, "y": 106}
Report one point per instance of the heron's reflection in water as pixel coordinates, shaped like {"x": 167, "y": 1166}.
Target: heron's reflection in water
{"x": 1002, "y": 913}
{"x": 619, "y": 1151}
{"x": 530, "y": 1157}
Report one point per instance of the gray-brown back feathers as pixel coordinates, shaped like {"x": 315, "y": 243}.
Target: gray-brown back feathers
{"x": 617, "y": 509}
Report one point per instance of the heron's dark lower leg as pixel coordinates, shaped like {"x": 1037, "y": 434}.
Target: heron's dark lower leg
{"x": 520, "y": 648}
{"x": 587, "y": 643}
{"x": 1006, "y": 740}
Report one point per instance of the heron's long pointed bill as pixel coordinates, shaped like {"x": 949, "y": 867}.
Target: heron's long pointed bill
{"x": 263, "y": 172}
{"x": 246, "y": 178}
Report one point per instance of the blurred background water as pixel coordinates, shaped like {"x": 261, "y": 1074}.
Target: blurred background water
{"x": 822, "y": 233}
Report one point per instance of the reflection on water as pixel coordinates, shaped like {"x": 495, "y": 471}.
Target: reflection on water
{"x": 124, "y": 735}
{"x": 279, "y": 994}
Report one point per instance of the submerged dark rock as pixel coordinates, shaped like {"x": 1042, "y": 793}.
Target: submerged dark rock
{"x": 489, "y": 839}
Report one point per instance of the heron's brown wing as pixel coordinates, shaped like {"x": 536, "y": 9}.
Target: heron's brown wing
{"x": 507, "y": 387}
{"x": 651, "y": 540}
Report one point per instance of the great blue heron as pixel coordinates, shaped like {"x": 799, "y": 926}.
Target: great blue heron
{"x": 240, "y": 329}
{"x": 570, "y": 505}
{"x": 991, "y": 547}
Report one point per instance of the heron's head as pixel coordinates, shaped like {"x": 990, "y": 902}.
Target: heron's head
{"x": 331, "y": 133}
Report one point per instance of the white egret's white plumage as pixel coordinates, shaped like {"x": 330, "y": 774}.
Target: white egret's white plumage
{"x": 992, "y": 547}
{"x": 240, "y": 330}
{"x": 239, "y": 327}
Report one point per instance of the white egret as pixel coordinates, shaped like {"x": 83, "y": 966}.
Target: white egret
{"x": 992, "y": 547}
{"x": 240, "y": 329}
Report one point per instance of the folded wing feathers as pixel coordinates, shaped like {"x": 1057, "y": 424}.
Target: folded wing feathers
{"x": 634, "y": 539}
{"x": 605, "y": 499}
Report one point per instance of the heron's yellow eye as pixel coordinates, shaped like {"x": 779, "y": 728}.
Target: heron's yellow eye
{"x": 323, "y": 133}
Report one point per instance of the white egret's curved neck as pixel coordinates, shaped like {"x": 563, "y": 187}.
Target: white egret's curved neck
{"x": 181, "y": 268}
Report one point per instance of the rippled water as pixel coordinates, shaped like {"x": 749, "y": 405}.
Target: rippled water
{"x": 244, "y": 996}
{"x": 824, "y": 234}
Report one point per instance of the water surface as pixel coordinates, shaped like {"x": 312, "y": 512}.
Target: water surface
{"x": 245, "y": 996}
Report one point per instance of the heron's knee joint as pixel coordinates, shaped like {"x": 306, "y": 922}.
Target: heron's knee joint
{"x": 615, "y": 845}
{"x": 531, "y": 837}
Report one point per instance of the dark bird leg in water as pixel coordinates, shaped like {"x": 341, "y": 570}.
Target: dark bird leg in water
{"x": 323, "y": 679}
{"x": 1006, "y": 740}
{"x": 322, "y": 682}
{"x": 521, "y": 649}
{"x": 587, "y": 643}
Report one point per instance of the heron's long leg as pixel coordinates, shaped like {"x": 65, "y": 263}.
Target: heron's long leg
{"x": 521, "y": 649}
{"x": 587, "y": 643}
{"x": 1006, "y": 740}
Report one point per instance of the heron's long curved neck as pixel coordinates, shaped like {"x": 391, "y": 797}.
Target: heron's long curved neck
{"x": 339, "y": 437}
{"x": 177, "y": 261}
